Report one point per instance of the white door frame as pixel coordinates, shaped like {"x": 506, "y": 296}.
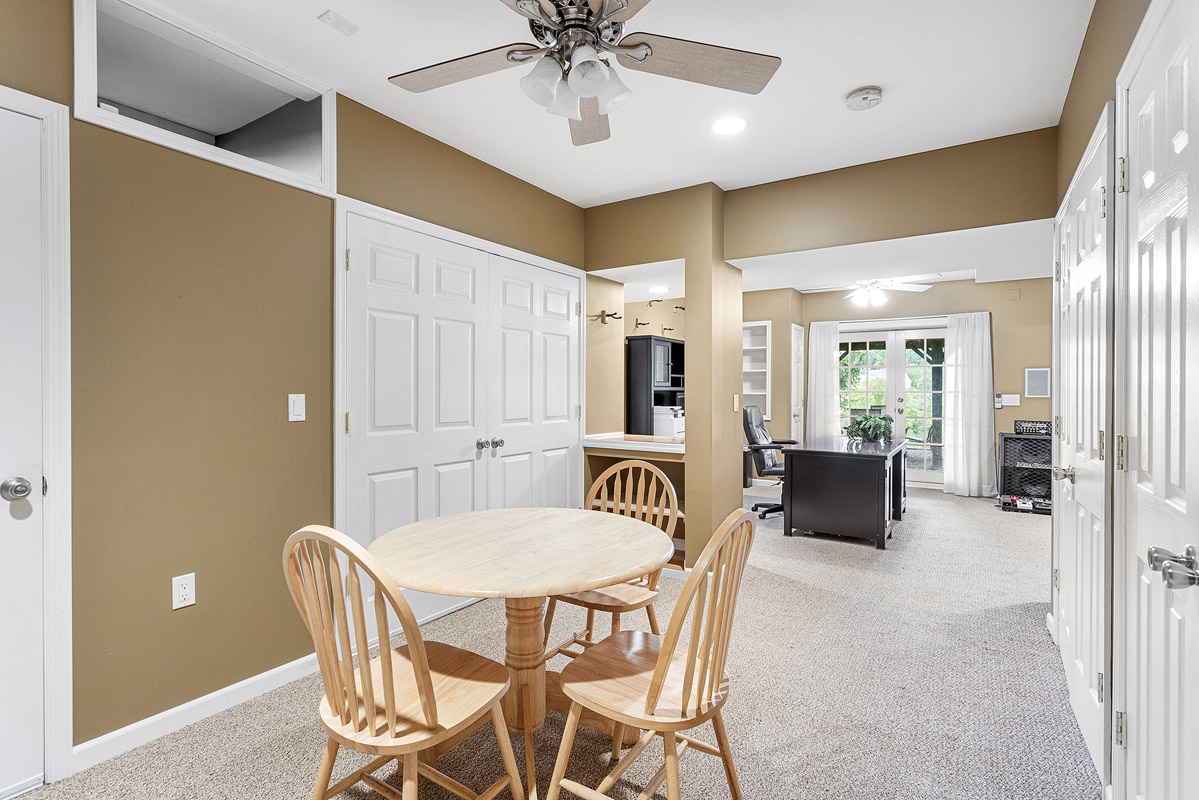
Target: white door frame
{"x": 799, "y": 378}
{"x": 344, "y": 206}
{"x": 56, "y": 421}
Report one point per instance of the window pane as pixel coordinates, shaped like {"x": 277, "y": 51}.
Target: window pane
{"x": 857, "y": 379}
{"x": 914, "y": 457}
{"x": 878, "y": 354}
{"x": 936, "y": 460}
{"x": 843, "y": 357}
{"x": 917, "y": 404}
{"x": 938, "y": 405}
{"x": 917, "y": 378}
{"x": 914, "y": 351}
{"x": 937, "y": 379}
{"x": 936, "y": 351}
{"x": 857, "y": 403}
{"x": 878, "y": 402}
{"x": 917, "y": 428}
{"x": 878, "y": 379}
{"x": 935, "y": 432}
{"x": 844, "y": 379}
{"x": 857, "y": 356}
{"x": 844, "y": 399}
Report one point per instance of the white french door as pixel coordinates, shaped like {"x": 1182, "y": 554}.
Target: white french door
{"x": 1082, "y": 544}
{"x": 22, "y": 680}
{"x": 797, "y": 382}
{"x": 900, "y": 373}
{"x": 533, "y": 411}
{"x": 1157, "y": 491}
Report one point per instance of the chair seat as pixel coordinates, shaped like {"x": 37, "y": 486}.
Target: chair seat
{"x": 621, "y": 597}
{"x": 613, "y": 678}
{"x": 465, "y": 686}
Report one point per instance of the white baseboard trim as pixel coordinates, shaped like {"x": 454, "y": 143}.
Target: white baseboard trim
{"x": 21, "y": 787}
{"x": 677, "y": 574}
{"x": 122, "y": 740}
{"x": 1052, "y": 627}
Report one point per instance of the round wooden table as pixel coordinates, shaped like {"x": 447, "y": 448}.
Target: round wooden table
{"x": 523, "y": 555}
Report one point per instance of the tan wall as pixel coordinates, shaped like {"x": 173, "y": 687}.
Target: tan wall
{"x": 1021, "y": 328}
{"x": 202, "y": 297}
{"x": 36, "y": 48}
{"x": 605, "y": 358}
{"x": 388, "y": 164}
{"x": 1113, "y": 25}
{"x": 662, "y": 314}
{"x": 998, "y": 181}
{"x": 780, "y": 306}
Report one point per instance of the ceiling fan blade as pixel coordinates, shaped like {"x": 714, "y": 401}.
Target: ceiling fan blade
{"x": 907, "y": 287}
{"x": 632, "y": 7}
{"x": 697, "y": 62}
{"x": 593, "y": 127}
{"x": 459, "y": 69}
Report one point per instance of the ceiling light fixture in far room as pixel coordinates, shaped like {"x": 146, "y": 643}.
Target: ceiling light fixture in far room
{"x": 867, "y": 294}
{"x": 659, "y": 289}
{"x": 864, "y": 98}
{"x": 729, "y": 126}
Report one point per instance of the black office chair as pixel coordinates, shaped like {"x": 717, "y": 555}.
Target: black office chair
{"x": 764, "y": 450}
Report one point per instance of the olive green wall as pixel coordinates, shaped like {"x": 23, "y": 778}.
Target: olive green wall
{"x": 605, "y": 357}
{"x": 660, "y": 315}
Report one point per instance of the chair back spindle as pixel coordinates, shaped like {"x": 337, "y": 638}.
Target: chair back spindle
{"x": 640, "y": 490}
{"x": 325, "y": 570}
{"x": 706, "y": 606}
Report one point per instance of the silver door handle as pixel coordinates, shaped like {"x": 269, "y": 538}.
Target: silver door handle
{"x": 497, "y": 443}
{"x": 1158, "y": 556}
{"x": 15, "y": 488}
{"x": 482, "y": 444}
{"x": 1063, "y": 472}
{"x": 1178, "y": 576}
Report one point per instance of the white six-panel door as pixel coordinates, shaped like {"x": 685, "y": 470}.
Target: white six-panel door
{"x": 1084, "y": 233}
{"x": 533, "y": 409}
{"x": 22, "y": 711}
{"x": 1157, "y": 415}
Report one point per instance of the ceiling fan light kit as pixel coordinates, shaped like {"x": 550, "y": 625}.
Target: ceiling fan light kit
{"x": 574, "y": 37}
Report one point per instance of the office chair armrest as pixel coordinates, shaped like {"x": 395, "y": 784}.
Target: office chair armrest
{"x": 772, "y": 446}
{"x": 785, "y": 441}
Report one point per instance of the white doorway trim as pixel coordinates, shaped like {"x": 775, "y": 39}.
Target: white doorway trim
{"x": 343, "y": 208}
{"x": 56, "y": 421}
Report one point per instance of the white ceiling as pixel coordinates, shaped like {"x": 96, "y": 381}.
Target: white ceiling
{"x": 953, "y": 72}
{"x": 999, "y": 253}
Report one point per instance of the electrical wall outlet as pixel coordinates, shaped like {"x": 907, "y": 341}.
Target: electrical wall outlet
{"x": 183, "y": 591}
{"x": 736, "y": 403}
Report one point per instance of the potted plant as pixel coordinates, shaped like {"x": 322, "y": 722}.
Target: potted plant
{"x": 870, "y": 427}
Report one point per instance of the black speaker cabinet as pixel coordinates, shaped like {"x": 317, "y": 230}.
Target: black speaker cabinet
{"x": 1026, "y": 472}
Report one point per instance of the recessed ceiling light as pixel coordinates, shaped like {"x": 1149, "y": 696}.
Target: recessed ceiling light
{"x": 863, "y": 99}
{"x": 339, "y": 23}
{"x": 659, "y": 289}
{"x": 729, "y": 126}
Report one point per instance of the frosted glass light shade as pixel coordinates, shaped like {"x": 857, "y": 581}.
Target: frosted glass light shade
{"x": 541, "y": 83}
{"x": 566, "y": 102}
{"x": 614, "y": 95}
{"x": 588, "y": 76}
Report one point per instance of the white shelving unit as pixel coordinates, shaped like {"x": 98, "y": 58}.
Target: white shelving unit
{"x": 755, "y": 365}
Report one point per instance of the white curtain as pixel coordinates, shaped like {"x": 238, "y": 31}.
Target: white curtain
{"x": 969, "y": 432}
{"x": 824, "y": 414}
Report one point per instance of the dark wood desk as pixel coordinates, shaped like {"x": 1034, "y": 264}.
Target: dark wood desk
{"x": 846, "y": 487}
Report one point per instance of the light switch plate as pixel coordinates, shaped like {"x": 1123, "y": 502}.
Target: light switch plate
{"x": 296, "y": 408}
{"x": 183, "y": 591}
{"x": 736, "y": 403}
{"x": 1011, "y": 399}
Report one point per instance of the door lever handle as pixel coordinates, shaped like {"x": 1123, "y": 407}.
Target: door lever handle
{"x": 1159, "y": 556}
{"x": 1063, "y": 472}
{"x": 1178, "y": 576}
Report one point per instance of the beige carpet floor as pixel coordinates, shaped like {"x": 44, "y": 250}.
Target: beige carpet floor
{"x": 922, "y": 671}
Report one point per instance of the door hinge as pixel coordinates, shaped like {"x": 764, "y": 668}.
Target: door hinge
{"x": 1099, "y": 686}
{"x": 45, "y": 486}
{"x": 1121, "y": 732}
{"x": 1055, "y": 579}
{"x": 1121, "y": 175}
{"x": 1101, "y": 447}
{"x": 347, "y": 259}
{"x": 579, "y": 411}
{"x": 1057, "y": 425}
{"x": 347, "y": 422}
{"x": 579, "y": 307}
{"x": 1057, "y": 270}
{"x": 1121, "y": 452}
{"x": 1103, "y": 202}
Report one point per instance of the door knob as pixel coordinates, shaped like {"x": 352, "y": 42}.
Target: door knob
{"x": 1158, "y": 556}
{"x": 1063, "y": 472}
{"x": 497, "y": 443}
{"x": 1178, "y": 576}
{"x": 14, "y": 489}
{"x": 482, "y": 444}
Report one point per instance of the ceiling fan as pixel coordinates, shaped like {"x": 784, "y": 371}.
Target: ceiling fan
{"x": 874, "y": 292}
{"x": 573, "y": 76}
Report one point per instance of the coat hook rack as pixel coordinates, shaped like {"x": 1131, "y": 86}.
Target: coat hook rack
{"x": 651, "y": 303}
{"x": 604, "y": 316}
{"x": 665, "y": 329}
{"x": 680, "y": 308}
{"x": 639, "y": 324}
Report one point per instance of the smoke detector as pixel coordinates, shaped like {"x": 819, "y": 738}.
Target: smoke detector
{"x": 864, "y": 98}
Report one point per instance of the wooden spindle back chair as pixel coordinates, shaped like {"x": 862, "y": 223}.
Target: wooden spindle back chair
{"x": 635, "y": 489}
{"x": 388, "y": 705}
{"x": 666, "y": 684}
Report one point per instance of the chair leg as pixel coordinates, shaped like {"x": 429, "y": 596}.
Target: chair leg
{"x": 501, "y": 737}
{"x": 615, "y": 622}
{"x": 671, "y": 745}
{"x": 617, "y": 740}
{"x": 549, "y": 619}
{"x": 319, "y": 792}
{"x": 411, "y": 774}
{"x": 568, "y": 740}
{"x": 653, "y": 620}
{"x": 726, "y": 755}
{"x": 590, "y": 634}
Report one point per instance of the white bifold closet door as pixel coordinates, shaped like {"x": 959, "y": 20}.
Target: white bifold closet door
{"x": 462, "y": 380}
